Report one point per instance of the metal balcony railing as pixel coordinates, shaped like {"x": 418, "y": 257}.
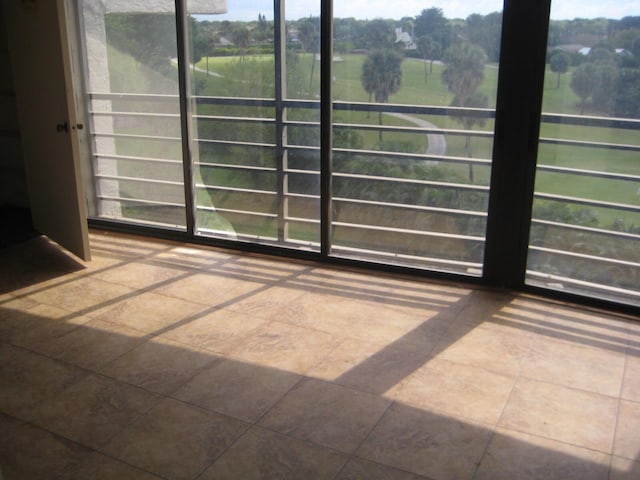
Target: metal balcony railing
{"x": 625, "y": 246}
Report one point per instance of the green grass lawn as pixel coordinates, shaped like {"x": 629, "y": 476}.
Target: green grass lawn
{"x": 254, "y": 76}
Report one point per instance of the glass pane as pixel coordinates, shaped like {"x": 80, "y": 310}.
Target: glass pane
{"x": 585, "y": 232}
{"x": 411, "y": 182}
{"x": 132, "y": 82}
{"x": 255, "y": 152}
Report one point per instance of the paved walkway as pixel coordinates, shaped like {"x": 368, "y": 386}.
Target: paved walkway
{"x": 437, "y": 142}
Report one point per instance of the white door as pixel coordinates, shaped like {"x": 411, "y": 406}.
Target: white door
{"x": 39, "y": 52}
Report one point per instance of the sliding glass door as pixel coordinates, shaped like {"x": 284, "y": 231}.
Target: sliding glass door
{"x": 369, "y": 135}
{"x": 133, "y": 104}
{"x": 254, "y": 100}
{"x": 585, "y": 231}
{"x": 414, "y": 96}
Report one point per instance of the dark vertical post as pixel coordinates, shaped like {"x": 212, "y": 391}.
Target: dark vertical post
{"x": 326, "y": 123}
{"x": 185, "y": 112}
{"x": 279, "y": 45}
{"x": 518, "y": 110}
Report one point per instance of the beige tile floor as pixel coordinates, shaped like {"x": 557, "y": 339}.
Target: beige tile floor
{"x": 163, "y": 360}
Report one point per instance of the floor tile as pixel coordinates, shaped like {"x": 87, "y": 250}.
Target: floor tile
{"x": 458, "y": 390}
{"x": 151, "y": 312}
{"x": 93, "y": 410}
{"x": 425, "y": 443}
{"x": 560, "y": 413}
{"x": 631, "y": 378}
{"x": 159, "y": 365}
{"x": 362, "y": 320}
{"x": 574, "y": 365}
{"x": 263, "y": 303}
{"x": 627, "y": 440}
{"x": 86, "y": 296}
{"x": 368, "y": 367}
{"x": 175, "y": 441}
{"x": 261, "y": 454}
{"x": 141, "y": 274}
{"x": 100, "y": 467}
{"x": 39, "y": 323}
{"x": 93, "y": 345}
{"x": 361, "y": 469}
{"x": 27, "y": 378}
{"x": 237, "y": 389}
{"x": 487, "y": 346}
{"x": 29, "y": 453}
{"x": 212, "y": 289}
{"x": 519, "y": 456}
{"x": 219, "y": 331}
{"x": 326, "y": 414}
{"x": 288, "y": 347}
{"x": 624, "y": 469}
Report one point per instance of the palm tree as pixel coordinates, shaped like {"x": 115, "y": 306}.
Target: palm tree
{"x": 381, "y": 76}
{"x": 463, "y": 74}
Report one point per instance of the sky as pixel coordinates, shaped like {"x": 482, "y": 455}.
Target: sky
{"x": 369, "y": 9}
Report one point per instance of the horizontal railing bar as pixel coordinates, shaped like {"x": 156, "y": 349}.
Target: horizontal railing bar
{"x": 301, "y": 172}
{"x": 153, "y": 97}
{"x": 136, "y": 114}
{"x": 430, "y": 260}
{"x": 589, "y": 121}
{"x": 584, "y": 143}
{"x": 470, "y": 213}
{"x": 234, "y": 189}
{"x": 227, "y": 118}
{"x": 414, "y": 109}
{"x": 138, "y": 179}
{"x": 137, "y": 159}
{"x": 235, "y": 167}
{"x": 140, "y": 200}
{"x": 136, "y": 136}
{"x": 245, "y": 212}
{"x": 303, "y": 220}
{"x": 589, "y": 173}
{"x": 582, "y": 283}
{"x": 415, "y": 156}
{"x": 423, "y": 233}
{"x": 462, "y": 186}
{"x": 554, "y": 118}
{"x": 235, "y": 101}
{"x": 585, "y": 256}
{"x": 585, "y": 201}
{"x": 580, "y": 228}
{"x": 303, "y": 195}
{"x": 235, "y": 142}
{"x": 396, "y": 128}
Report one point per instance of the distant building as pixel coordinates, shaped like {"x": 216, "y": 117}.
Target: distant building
{"x": 405, "y": 39}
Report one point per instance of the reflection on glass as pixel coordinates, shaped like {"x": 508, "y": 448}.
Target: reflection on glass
{"x": 585, "y": 234}
{"x": 132, "y": 81}
{"x": 410, "y": 185}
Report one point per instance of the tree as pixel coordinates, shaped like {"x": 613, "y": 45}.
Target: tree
{"x": 426, "y": 48}
{"x": 463, "y": 74}
{"x": 559, "y": 63}
{"x": 382, "y": 76}
{"x": 464, "y": 70}
{"x": 432, "y": 22}
{"x": 627, "y": 97}
{"x": 475, "y": 100}
{"x": 379, "y": 34}
{"x": 309, "y": 36}
{"x": 583, "y": 82}
{"x": 241, "y": 37}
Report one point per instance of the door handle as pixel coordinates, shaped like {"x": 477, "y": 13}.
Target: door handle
{"x": 64, "y": 127}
